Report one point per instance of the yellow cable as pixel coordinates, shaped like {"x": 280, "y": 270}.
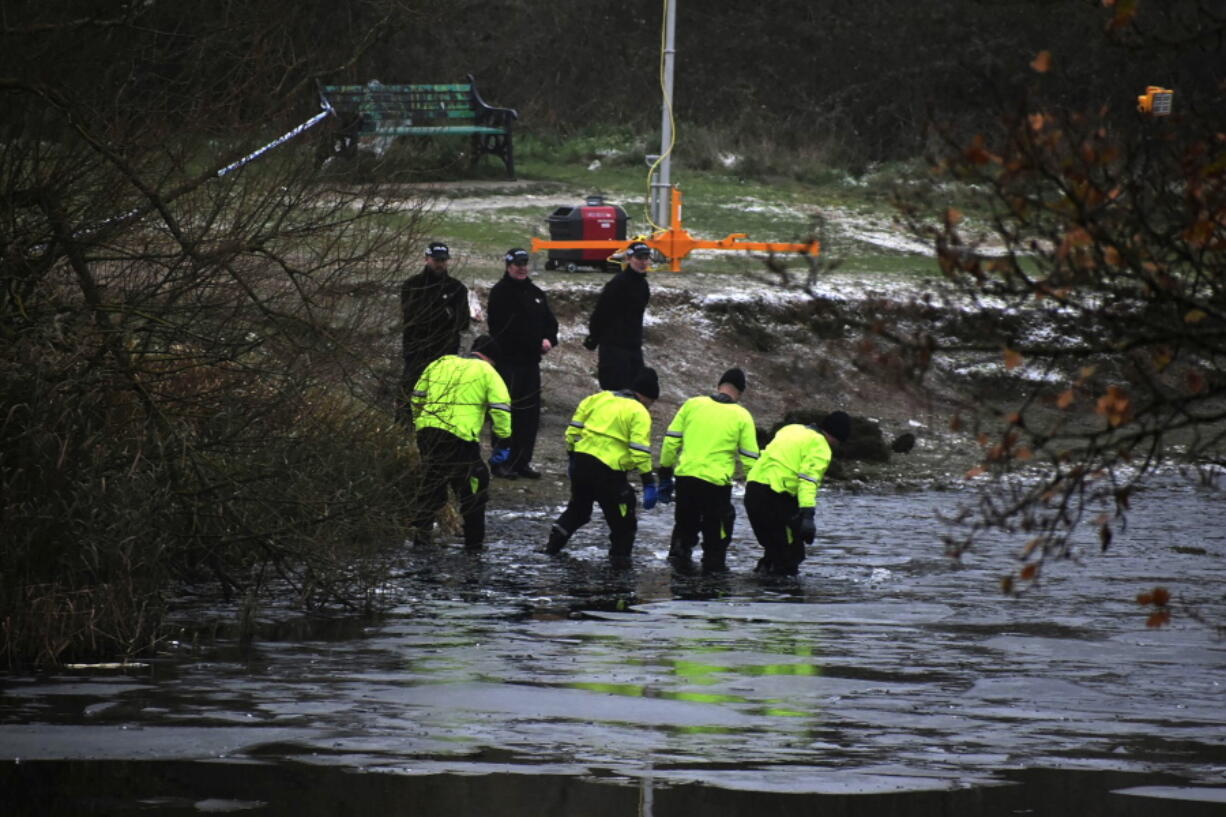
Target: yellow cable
{"x": 672, "y": 123}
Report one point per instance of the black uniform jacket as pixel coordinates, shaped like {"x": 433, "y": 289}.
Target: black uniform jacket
{"x": 519, "y": 318}
{"x": 617, "y": 319}
{"x": 435, "y": 311}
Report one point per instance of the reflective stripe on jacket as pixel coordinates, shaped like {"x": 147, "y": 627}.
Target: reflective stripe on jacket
{"x": 454, "y": 393}
{"x": 794, "y": 462}
{"x": 615, "y": 428}
{"x": 706, "y": 436}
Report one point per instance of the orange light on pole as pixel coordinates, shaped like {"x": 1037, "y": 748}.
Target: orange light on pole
{"x": 1156, "y": 101}
{"x": 676, "y": 242}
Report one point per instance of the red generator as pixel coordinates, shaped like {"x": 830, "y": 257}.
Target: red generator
{"x": 594, "y": 220}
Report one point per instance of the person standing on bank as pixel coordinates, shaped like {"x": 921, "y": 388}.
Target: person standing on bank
{"x": 703, "y": 442}
{"x": 450, "y": 404}
{"x": 616, "y": 324}
{"x": 434, "y": 313}
{"x": 525, "y": 329}
{"x": 781, "y": 490}
{"x": 609, "y": 436}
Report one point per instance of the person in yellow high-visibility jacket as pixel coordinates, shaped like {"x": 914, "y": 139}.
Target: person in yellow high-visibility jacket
{"x": 609, "y": 437}
{"x": 781, "y": 490}
{"x": 450, "y": 403}
{"x": 707, "y": 436}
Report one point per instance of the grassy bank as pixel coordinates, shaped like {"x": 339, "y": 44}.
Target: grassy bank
{"x": 777, "y": 196}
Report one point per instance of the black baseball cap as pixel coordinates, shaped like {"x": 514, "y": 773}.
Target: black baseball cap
{"x": 438, "y": 249}
{"x": 518, "y": 256}
{"x": 639, "y": 250}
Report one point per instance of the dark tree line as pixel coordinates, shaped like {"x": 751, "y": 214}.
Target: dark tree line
{"x": 866, "y": 74}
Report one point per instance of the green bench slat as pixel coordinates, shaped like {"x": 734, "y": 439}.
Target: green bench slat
{"x": 395, "y": 89}
{"x": 410, "y": 113}
{"x": 426, "y": 130}
{"x": 394, "y": 99}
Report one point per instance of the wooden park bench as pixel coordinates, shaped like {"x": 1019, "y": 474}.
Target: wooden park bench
{"x": 375, "y": 109}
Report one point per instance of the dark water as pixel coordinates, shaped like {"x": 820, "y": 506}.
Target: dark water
{"x": 886, "y": 680}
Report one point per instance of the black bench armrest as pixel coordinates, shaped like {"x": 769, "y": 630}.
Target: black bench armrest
{"x": 489, "y": 114}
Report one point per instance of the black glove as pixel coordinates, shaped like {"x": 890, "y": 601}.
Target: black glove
{"x": 666, "y": 485}
{"x": 590, "y": 343}
{"x": 804, "y": 525}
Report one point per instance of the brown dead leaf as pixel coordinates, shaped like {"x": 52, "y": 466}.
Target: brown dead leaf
{"x": 1042, "y": 62}
{"x": 978, "y": 152}
{"x": 1195, "y": 381}
{"x": 1115, "y": 405}
{"x": 1159, "y": 597}
{"x": 1125, "y": 10}
{"x": 1159, "y": 619}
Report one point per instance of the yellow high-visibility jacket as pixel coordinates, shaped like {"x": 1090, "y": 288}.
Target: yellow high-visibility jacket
{"x": 705, "y": 437}
{"x": 454, "y": 393}
{"x": 615, "y": 428}
{"x": 794, "y": 462}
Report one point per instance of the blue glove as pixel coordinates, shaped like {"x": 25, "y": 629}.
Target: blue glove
{"x": 650, "y": 494}
{"x": 666, "y": 488}
{"x": 500, "y": 456}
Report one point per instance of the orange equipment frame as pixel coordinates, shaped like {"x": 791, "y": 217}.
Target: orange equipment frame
{"x": 676, "y": 242}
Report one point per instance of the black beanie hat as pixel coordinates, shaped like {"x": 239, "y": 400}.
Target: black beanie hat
{"x": 485, "y": 345}
{"x": 646, "y": 383}
{"x": 838, "y": 425}
{"x": 733, "y": 377}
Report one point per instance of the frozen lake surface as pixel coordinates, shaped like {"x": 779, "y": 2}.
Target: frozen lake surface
{"x": 886, "y": 679}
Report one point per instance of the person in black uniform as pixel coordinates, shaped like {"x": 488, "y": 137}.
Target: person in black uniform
{"x": 525, "y": 329}
{"x": 616, "y": 324}
{"x": 434, "y": 313}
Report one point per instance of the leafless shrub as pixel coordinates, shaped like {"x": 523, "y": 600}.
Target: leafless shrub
{"x": 195, "y": 371}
